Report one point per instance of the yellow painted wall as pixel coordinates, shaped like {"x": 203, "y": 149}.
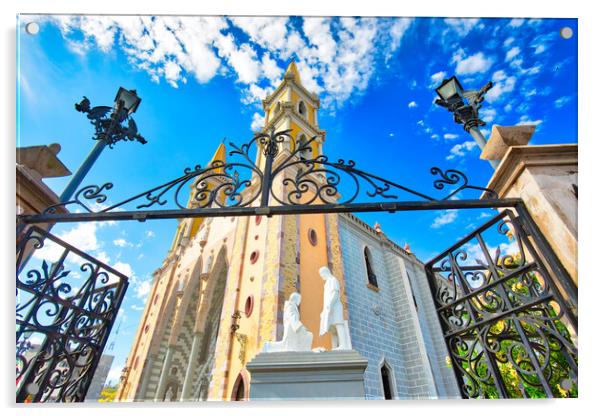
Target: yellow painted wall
{"x": 295, "y": 133}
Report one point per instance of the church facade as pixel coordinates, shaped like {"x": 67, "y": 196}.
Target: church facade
{"x": 218, "y": 296}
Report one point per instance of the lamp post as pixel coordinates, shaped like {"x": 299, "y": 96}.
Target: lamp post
{"x": 465, "y": 105}
{"x": 110, "y": 127}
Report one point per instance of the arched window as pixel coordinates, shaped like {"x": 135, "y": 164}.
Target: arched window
{"x": 369, "y": 268}
{"x": 302, "y": 109}
{"x": 385, "y": 375}
{"x": 307, "y": 153}
{"x": 239, "y": 391}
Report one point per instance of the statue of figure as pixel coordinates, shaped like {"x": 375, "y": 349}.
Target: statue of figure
{"x": 296, "y": 337}
{"x": 331, "y": 318}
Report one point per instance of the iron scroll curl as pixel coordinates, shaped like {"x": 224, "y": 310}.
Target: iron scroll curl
{"x": 286, "y": 175}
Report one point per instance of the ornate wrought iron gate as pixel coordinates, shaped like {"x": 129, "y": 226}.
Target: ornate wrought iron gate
{"x": 64, "y": 314}
{"x": 507, "y": 327}
{"x": 509, "y": 320}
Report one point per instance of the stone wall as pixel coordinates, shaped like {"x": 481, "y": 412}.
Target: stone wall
{"x": 443, "y": 374}
{"x": 383, "y": 323}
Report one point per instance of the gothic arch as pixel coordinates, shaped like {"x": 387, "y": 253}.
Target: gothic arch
{"x": 240, "y": 390}
{"x": 208, "y": 321}
{"x": 369, "y": 263}
{"x": 387, "y": 379}
{"x": 190, "y": 283}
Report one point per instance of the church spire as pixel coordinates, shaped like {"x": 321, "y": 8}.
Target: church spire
{"x": 219, "y": 155}
{"x": 292, "y": 70}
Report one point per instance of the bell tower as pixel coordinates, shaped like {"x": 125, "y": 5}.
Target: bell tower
{"x": 219, "y": 294}
{"x": 292, "y": 106}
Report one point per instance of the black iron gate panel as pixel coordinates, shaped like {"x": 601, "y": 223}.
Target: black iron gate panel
{"x": 507, "y": 328}
{"x": 66, "y": 304}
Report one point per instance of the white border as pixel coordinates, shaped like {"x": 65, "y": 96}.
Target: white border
{"x": 590, "y": 91}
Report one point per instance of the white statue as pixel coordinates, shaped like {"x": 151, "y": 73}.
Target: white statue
{"x": 331, "y": 318}
{"x": 296, "y": 337}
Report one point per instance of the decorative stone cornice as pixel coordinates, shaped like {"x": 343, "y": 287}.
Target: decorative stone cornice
{"x": 519, "y": 158}
{"x": 289, "y": 80}
{"x": 291, "y": 113}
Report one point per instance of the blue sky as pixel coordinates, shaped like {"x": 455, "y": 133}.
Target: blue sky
{"x": 202, "y": 79}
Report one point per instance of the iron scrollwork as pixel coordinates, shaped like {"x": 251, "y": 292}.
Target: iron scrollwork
{"x": 64, "y": 313}
{"x": 508, "y": 332}
{"x": 286, "y": 175}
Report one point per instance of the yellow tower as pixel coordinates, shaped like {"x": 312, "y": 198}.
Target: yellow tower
{"x": 275, "y": 256}
{"x": 219, "y": 295}
{"x": 293, "y": 107}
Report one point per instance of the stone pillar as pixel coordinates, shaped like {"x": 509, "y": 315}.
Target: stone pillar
{"x": 545, "y": 178}
{"x": 164, "y": 374}
{"x": 188, "y": 379}
{"x": 34, "y": 164}
{"x": 331, "y": 375}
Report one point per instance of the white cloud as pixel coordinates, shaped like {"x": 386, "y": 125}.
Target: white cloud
{"x": 541, "y": 43}
{"x": 172, "y": 73}
{"x": 461, "y": 26}
{"x": 516, "y": 22}
{"x": 450, "y": 136}
{"x": 488, "y": 114}
{"x": 525, "y": 120}
{"x": 103, "y": 257}
{"x": 124, "y": 268}
{"x": 512, "y": 53}
{"x": 502, "y": 84}
{"x": 446, "y": 217}
{"x": 437, "y": 78}
{"x": 562, "y": 101}
{"x": 460, "y": 150}
{"x": 473, "y": 64}
{"x": 149, "y": 233}
{"x": 268, "y": 32}
{"x": 398, "y": 29}
{"x": 120, "y": 242}
{"x": 143, "y": 289}
{"x": 83, "y": 236}
{"x": 137, "y": 307}
{"x": 257, "y": 123}
{"x": 335, "y": 56}
{"x": 412, "y": 104}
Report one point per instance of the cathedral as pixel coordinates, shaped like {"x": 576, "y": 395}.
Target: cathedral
{"x": 219, "y": 294}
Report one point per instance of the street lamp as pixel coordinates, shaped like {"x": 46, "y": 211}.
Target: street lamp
{"x": 110, "y": 127}
{"x": 465, "y": 105}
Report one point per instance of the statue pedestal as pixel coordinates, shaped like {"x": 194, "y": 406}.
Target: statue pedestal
{"x": 329, "y": 375}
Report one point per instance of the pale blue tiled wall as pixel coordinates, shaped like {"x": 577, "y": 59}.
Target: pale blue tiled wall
{"x": 394, "y": 332}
